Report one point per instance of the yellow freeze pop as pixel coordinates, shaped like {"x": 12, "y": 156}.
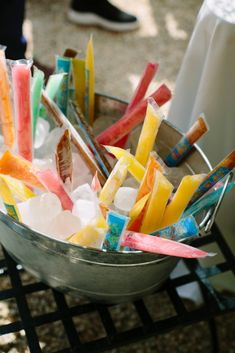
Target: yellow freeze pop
{"x": 114, "y": 181}
{"x": 149, "y": 132}
{"x": 135, "y": 168}
{"x": 89, "y": 83}
{"x": 88, "y": 236}
{"x": 181, "y": 198}
{"x": 6, "y": 110}
{"x": 18, "y": 188}
{"x": 8, "y": 200}
{"x": 160, "y": 195}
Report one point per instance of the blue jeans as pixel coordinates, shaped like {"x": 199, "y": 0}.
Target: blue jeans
{"x": 11, "y": 21}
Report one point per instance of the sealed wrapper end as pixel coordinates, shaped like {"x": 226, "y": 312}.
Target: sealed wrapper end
{"x": 133, "y": 118}
{"x": 149, "y": 132}
{"x": 114, "y": 181}
{"x": 21, "y": 76}
{"x": 117, "y": 224}
{"x": 185, "y": 228}
{"x": 181, "y": 198}
{"x": 159, "y": 197}
{"x": 89, "y": 236}
{"x": 61, "y": 120}
{"x": 144, "y": 242}
{"x": 54, "y": 185}
{"x": 139, "y": 94}
{"x": 6, "y": 109}
{"x": 218, "y": 173}
{"x": 63, "y": 156}
{"x": 95, "y": 184}
{"x": 134, "y": 167}
{"x": 8, "y": 200}
{"x": 184, "y": 146}
{"x": 19, "y": 168}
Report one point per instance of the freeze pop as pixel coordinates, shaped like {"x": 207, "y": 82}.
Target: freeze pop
{"x": 19, "y": 168}
{"x": 117, "y": 225}
{"x": 63, "y": 65}
{"x": 37, "y": 86}
{"x": 219, "y": 172}
{"x": 159, "y": 197}
{"x": 8, "y": 200}
{"x": 86, "y": 131}
{"x": 61, "y": 120}
{"x": 184, "y": 146}
{"x": 139, "y": 94}
{"x": 134, "y": 167}
{"x": 6, "y": 109}
{"x": 149, "y": 132}
{"x": 133, "y": 118}
{"x": 185, "y": 228}
{"x": 63, "y": 157}
{"x": 114, "y": 181}
{"x": 89, "y": 83}
{"x": 162, "y": 246}
{"x": 181, "y": 198}
{"x": 21, "y": 76}
{"x": 51, "y": 182}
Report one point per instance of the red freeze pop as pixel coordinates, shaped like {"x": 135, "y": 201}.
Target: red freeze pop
{"x": 21, "y": 85}
{"x": 53, "y": 184}
{"x": 139, "y": 94}
{"x": 132, "y": 119}
{"x": 162, "y": 246}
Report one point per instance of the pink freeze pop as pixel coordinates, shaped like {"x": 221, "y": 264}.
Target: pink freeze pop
{"x": 135, "y": 117}
{"x": 139, "y": 94}
{"x": 21, "y": 85}
{"x": 51, "y": 181}
{"x": 149, "y": 243}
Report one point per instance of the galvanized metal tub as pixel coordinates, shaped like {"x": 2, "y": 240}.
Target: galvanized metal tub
{"x": 109, "y": 277}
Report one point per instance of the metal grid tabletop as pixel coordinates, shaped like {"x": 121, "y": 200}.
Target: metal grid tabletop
{"x": 147, "y": 325}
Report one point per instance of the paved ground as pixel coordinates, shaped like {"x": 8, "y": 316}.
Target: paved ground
{"x": 165, "y": 29}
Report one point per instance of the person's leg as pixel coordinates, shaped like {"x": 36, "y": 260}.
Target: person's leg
{"x": 11, "y": 22}
{"x": 103, "y": 14}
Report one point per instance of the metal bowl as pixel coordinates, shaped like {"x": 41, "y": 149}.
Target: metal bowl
{"x": 110, "y": 277}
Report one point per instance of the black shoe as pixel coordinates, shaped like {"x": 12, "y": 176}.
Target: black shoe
{"x": 101, "y": 13}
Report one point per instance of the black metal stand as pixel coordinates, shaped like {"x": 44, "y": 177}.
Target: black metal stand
{"x": 214, "y": 304}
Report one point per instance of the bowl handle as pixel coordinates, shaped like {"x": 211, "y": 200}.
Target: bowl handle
{"x": 209, "y": 219}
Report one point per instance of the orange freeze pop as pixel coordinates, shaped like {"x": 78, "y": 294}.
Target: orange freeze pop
{"x": 19, "y": 168}
{"x": 6, "y": 110}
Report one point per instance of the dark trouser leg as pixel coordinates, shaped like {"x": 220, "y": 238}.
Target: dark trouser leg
{"x": 11, "y": 21}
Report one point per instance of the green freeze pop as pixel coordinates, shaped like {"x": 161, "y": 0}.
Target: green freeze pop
{"x": 36, "y": 91}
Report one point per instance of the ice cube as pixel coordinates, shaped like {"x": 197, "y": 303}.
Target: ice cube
{"x": 45, "y": 163}
{"x": 42, "y": 131}
{"x": 125, "y": 198}
{"x": 38, "y": 211}
{"x": 49, "y": 145}
{"x": 86, "y": 210}
{"x": 84, "y": 192}
{"x": 64, "y": 225}
{"x": 81, "y": 173}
